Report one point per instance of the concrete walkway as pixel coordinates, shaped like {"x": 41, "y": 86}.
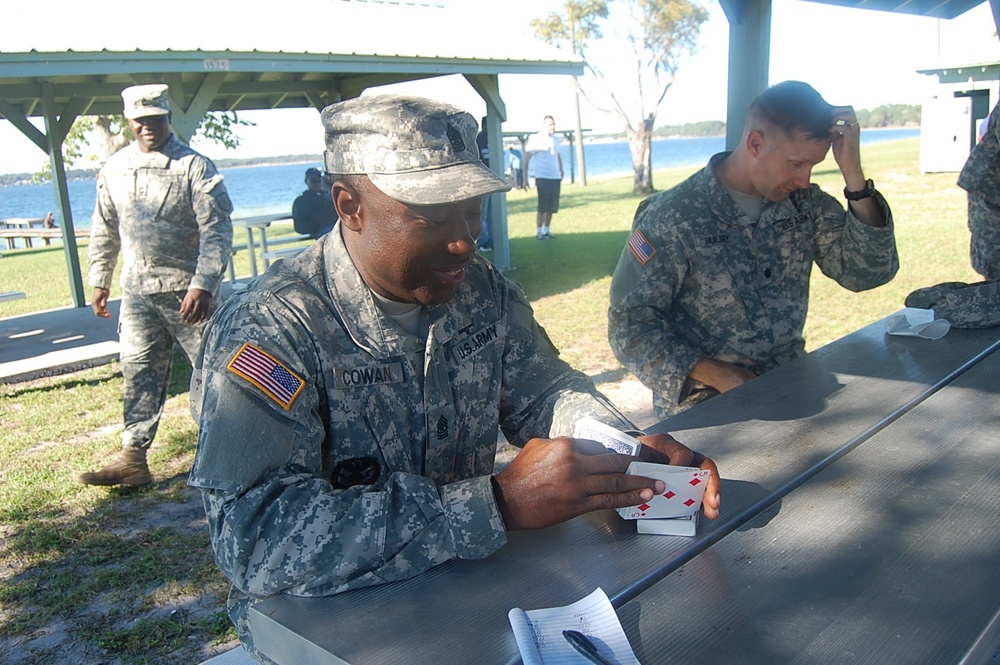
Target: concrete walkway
{"x": 59, "y": 341}
{"x": 56, "y": 341}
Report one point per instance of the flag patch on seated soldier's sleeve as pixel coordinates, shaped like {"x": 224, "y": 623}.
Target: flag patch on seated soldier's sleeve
{"x": 641, "y": 247}
{"x": 267, "y": 373}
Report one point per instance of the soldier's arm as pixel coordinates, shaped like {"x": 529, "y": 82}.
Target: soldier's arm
{"x": 105, "y": 240}
{"x": 212, "y": 209}
{"x": 856, "y": 255}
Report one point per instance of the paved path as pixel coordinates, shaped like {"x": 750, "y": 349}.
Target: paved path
{"x": 58, "y": 341}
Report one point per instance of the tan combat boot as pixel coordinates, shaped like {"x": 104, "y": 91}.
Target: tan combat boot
{"x": 131, "y": 469}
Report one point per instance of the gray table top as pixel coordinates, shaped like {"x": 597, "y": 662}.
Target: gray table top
{"x": 889, "y": 556}
{"x": 769, "y": 437}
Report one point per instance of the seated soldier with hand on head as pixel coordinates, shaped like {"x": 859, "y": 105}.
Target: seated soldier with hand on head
{"x": 712, "y": 288}
{"x": 350, "y": 400}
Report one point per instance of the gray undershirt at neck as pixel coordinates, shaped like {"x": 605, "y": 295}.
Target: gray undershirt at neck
{"x": 749, "y": 204}
{"x": 403, "y": 314}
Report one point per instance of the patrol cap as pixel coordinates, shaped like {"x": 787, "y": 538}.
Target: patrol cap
{"x": 142, "y": 101}
{"x": 416, "y": 150}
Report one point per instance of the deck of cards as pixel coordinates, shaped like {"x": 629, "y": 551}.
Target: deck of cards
{"x": 672, "y": 513}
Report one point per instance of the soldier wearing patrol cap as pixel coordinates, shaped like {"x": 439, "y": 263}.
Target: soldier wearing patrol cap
{"x": 350, "y": 400}
{"x": 165, "y": 209}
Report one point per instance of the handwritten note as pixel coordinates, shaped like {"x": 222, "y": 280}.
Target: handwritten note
{"x": 541, "y": 642}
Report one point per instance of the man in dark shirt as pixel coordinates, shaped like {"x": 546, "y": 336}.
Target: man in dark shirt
{"x": 313, "y": 211}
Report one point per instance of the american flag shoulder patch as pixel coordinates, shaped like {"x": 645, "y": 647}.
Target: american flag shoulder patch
{"x": 267, "y": 373}
{"x": 641, "y": 247}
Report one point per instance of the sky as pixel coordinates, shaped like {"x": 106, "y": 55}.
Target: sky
{"x": 863, "y": 58}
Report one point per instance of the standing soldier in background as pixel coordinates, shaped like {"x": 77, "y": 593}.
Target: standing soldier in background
{"x": 165, "y": 208}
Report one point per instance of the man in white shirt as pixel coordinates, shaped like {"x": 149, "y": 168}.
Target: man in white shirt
{"x": 543, "y": 149}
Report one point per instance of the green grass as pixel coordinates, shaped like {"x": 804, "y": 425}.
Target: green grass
{"x": 129, "y": 573}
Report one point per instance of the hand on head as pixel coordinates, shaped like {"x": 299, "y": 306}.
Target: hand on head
{"x": 845, "y": 137}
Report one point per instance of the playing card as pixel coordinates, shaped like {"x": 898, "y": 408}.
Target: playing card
{"x": 609, "y": 437}
{"x": 685, "y": 487}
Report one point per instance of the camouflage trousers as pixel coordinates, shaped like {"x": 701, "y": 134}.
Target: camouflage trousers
{"x": 148, "y": 326}
{"x": 984, "y": 224}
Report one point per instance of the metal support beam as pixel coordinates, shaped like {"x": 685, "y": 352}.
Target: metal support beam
{"x": 54, "y": 133}
{"x": 749, "y": 53}
{"x": 488, "y": 87}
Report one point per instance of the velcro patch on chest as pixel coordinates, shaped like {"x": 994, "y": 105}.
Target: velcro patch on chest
{"x": 368, "y": 375}
{"x": 790, "y": 223}
{"x": 268, "y": 374}
{"x": 473, "y": 343}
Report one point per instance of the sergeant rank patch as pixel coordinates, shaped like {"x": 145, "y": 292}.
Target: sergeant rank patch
{"x": 641, "y": 247}
{"x": 267, "y": 373}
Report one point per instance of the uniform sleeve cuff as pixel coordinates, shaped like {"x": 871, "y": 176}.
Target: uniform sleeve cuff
{"x": 476, "y": 525}
{"x": 204, "y": 283}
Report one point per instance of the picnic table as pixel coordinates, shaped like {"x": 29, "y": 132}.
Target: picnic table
{"x": 261, "y": 223}
{"x": 860, "y": 499}
{"x": 28, "y": 229}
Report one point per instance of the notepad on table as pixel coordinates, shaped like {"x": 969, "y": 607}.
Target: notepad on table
{"x": 541, "y": 642}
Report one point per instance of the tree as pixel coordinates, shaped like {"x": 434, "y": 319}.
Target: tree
{"x": 94, "y": 138}
{"x": 659, "y": 34}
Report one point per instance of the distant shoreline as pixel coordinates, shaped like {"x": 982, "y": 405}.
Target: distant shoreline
{"x": 22, "y": 179}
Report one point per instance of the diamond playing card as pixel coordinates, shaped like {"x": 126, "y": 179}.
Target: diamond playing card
{"x": 685, "y": 487}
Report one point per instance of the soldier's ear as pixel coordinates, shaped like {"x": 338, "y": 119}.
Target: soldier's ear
{"x": 755, "y": 142}
{"x": 347, "y": 200}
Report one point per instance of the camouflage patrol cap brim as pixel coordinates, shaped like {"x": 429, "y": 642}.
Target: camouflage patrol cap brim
{"x": 416, "y": 150}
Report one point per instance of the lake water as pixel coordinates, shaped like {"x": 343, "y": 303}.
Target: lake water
{"x": 270, "y": 189}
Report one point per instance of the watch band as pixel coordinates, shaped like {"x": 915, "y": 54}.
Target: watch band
{"x": 861, "y": 193}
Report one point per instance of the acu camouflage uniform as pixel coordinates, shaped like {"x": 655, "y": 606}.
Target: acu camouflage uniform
{"x": 975, "y": 305}
{"x": 981, "y": 179}
{"x": 167, "y": 213}
{"x": 336, "y": 451}
{"x": 698, "y": 278}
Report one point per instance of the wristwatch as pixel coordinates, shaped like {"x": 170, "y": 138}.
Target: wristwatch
{"x": 861, "y": 193}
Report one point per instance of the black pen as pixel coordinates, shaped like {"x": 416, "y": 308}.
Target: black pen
{"x": 582, "y": 644}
